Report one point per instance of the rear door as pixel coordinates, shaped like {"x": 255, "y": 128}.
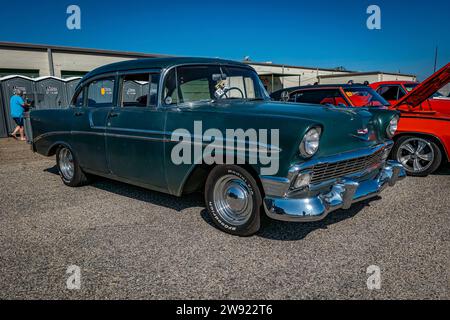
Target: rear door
{"x": 92, "y": 107}
{"x": 135, "y": 131}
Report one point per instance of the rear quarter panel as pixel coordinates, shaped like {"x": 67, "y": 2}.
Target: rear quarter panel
{"x": 50, "y": 127}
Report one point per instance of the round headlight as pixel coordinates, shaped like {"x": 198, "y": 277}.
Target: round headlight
{"x": 310, "y": 142}
{"x": 392, "y": 127}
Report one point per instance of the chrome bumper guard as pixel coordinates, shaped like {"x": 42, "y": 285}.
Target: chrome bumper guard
{"x": 342, "y": 195}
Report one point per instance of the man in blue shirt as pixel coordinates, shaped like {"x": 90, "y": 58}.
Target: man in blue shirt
{"x": 17, "y": 108}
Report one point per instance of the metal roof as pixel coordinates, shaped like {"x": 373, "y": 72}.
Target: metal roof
{"x": 42, "y": 47}
{"x": 158, "y": 63}
{"x": 365, "y": 74}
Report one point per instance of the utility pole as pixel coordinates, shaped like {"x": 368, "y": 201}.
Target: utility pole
{"x": 435, "y": 59}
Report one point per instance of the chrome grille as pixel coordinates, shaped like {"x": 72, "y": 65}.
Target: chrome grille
{"x": 326, "y": 171}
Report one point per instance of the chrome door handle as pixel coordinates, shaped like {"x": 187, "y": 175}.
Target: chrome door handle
{"x": 78, "y": 113}
{"x": 113, "y": 114}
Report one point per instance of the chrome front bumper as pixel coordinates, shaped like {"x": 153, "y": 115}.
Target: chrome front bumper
{"x": 342, "y": 194}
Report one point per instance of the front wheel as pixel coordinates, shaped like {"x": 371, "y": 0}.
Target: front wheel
{"x": 233, "y": 200}
{"x": 419, "y": 156}
{"x": 69, "y": 168}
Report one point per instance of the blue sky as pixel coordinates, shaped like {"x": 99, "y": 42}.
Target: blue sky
{"x": 321, "y": 33}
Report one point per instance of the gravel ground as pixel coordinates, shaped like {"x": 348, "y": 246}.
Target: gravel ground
{"x": 134, "y": 243}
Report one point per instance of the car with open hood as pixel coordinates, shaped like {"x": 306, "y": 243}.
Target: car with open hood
{"x": 423, "y": 135}
{"x": 422, "y": 139}
{"x": 181, "y": 125}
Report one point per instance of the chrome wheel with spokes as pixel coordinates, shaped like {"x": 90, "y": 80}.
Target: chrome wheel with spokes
{"x": 233, "y": 200}
{"x": 66, "y": 165}
{"x": 418, "y": 155}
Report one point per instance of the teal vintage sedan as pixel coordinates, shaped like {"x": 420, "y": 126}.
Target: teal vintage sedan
{"x": 181, "y": 125}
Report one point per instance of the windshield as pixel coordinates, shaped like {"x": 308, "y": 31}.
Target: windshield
{"x": 190, "y": 84}
{"x": 365, "y": 97}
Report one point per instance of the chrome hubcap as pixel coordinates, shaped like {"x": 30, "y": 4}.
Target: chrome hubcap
{"x": 233, "y": 200}
{"x": 416, "y": 154}
{"x": 66, "y": 163}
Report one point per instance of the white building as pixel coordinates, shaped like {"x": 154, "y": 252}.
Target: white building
{"x": 43, "y": 60}
{"x": 361, "y": 77}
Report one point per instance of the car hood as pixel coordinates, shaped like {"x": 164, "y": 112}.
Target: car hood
{"x": 315, "y": 113}
{"x": 426, "y": 89}
{"x": 344, "y": 128}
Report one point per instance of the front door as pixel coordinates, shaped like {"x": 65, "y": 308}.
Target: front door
{"x": 135, "y": 132}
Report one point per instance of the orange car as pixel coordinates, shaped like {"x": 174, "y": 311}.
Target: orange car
{"x": 422, "y": 141}
{"x": 423, "y": 135}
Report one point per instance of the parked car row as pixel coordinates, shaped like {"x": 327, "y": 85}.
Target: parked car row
{"x": 422, "y": 140}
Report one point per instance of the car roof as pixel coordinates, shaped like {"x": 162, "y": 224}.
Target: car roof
{"x": 157, "y": 63}
{"x": 321, "y": 86}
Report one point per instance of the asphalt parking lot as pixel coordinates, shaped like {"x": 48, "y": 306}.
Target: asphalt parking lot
{"x": 137, "y": 244}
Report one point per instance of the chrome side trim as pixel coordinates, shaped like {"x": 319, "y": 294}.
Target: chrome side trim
{"x": 124, "y": 136}
{"x": 104, "y": 134}
{"x": 258, "y": 147}
{"x": 49, "y": 134}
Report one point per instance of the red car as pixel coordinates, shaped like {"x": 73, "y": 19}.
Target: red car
{"x": 393, "y": 91}
{"x": 423, "y": 135}
{"x": 422, "y": 141}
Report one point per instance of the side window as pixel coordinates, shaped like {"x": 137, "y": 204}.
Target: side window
{"x": 100, "y": 93}
{"x": 139, "y": 90}
{"x": 388, "y": 92}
